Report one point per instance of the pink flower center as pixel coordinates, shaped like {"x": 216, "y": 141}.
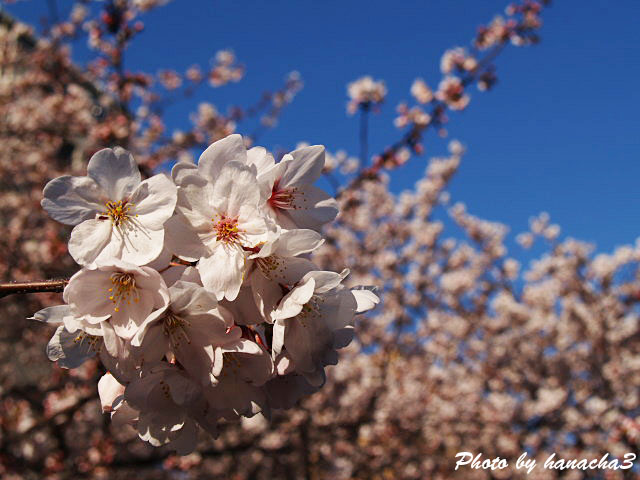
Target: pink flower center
{"x": 282, "y": 198}
{"x": 227, "y": 229}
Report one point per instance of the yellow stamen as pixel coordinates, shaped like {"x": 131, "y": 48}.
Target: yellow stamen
{"x": 118, "y": 211}
{"x": 125, "y": 288}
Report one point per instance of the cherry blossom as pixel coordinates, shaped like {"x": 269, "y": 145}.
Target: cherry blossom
{"x": 295, "y": 202}
{"x": 365, "y": 92}
{"x": 116, "y": 214}
{"x": 314, "y": 320}
{"x": 119, "y": 293}
{"x": 219, "y": 223}
{"x": 190, "y": 328}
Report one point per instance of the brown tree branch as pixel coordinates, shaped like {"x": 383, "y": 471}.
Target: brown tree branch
{"x": 40, "y": 286}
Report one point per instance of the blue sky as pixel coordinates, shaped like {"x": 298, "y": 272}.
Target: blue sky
{"x": 559, "y": 133}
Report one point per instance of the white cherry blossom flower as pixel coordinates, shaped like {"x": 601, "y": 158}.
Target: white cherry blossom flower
{"x": 115, "y": 213}
{"x": 240, "y": 367}
{"x": 70, "y": 346}
{"x": 239, "y": 323}
{"x": 219, "y": 223}
{"x": 168, "y": 403}
{"x": 287, "y": 187}
{"x": 295, "y": 202}
{"x": 314, "y": 320}
{"x": 118, "y": 293}
{"x": 278, "y": 264}
{"x": 191, "y": 327}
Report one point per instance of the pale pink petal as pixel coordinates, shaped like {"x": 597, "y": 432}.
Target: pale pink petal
{"x": 182, "y": 241}
{"x": 154, "y": 201}
{"x": 89, "y": 239}
{"x": 223, "y": 272}
{"x": 72, "y": 200}
{"x": 217, "y": 155}
{"x": 115, "y": 171}
{"x": 109, "y": 390}
{"x": 291, "y": 305}
{"x": 235, "y": 186}
{"x": 313, "y": 208}
{"x": 304, "y": 166}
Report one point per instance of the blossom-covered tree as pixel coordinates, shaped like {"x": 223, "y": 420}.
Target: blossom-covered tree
{"x": 467, "y": 351}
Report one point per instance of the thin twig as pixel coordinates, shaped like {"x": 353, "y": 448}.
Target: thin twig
{"x": 41, "y": 286}
{"x": 364, "y": 134}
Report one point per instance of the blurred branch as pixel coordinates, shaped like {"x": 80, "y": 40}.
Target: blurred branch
{"x": 413, "y": 137}
{"x": 364, "y": 134}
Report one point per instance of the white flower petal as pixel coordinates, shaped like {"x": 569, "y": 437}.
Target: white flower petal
{"x": 72, "y": 200}
{"x": 109, "y": 389}
{"x": 296, "y": 242}
{"x": 138, "y": 246}
{"x": 326, "y": 280}
{"x": 182, "y": 241}
{"x": 115, "y": 171}
{"x": 235, "y": 186}
{"x": 163, "y": 260}
{"x": 154, "y": 318}
{"x": 365, "y": 299}
{"x": 89, "y": 239}
{"x": 343, "y": 337}
{"x": 228, "y": 149}
{"x": 223, "y": 272}
{"x": 313, "y": 207}
{"x": 292, "y": 303}
{"x": 277, "y": 341}
{"x": 53, "y": 315}
{"x": 70, "y": 350}
{"x": 266, "y": 295}
{"x": 185, "y": 442}
{"x": 304, "y": 166}
{"x": 181, "y": 169}
{"x": 259, "y": 157}
{"x": 243, "y": 308}
{"x": 195, "y": 202}
{"x": 88, "y": 293}
{"x": 154, "y": 201}
{"x": 124, "y": 415}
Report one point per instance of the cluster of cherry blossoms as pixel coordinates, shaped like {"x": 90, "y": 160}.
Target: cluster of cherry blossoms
{"x": 195, "y": 291}
{"x": 364, "y": 93}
